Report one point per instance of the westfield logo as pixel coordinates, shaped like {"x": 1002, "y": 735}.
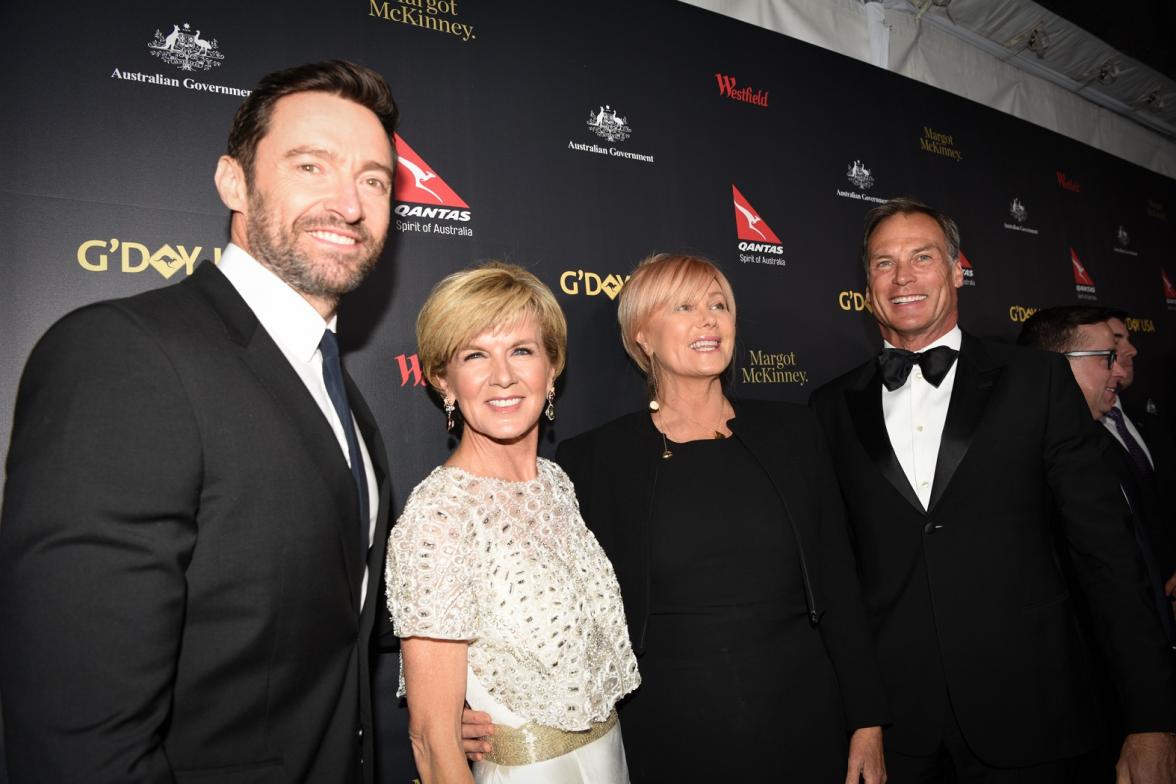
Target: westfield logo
{"x": 410, "y": 370}
{"x": 728, "y": 88}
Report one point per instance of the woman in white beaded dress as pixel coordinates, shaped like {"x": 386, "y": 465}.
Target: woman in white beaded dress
{"x": 501, "y": 596}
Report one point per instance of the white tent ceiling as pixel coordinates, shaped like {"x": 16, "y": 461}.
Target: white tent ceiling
{"x": 1013, "y": 55}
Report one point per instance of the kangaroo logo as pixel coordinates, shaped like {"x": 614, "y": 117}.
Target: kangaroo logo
{"x": 185, "y": 50}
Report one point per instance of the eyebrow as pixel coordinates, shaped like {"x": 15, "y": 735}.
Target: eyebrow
{"x": 320, "y": 152}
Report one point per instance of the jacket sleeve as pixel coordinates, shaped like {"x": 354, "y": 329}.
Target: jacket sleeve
{"x": 1106, "y": 561}
{"x": 843, "y": 625}
{"x": 98, "y": 528}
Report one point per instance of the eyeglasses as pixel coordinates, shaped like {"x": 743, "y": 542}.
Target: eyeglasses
{"x": 1109, "y": 353}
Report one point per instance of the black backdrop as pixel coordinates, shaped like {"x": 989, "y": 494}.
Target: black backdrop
{"x": 571, "y": 138}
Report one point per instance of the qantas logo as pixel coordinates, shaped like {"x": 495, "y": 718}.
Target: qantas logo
{"x": 750, "y": 226}
{"x": 969, "y": 273}
{"x": 418, "y": 184}
{"x": 1083, "y": 283}
{"x": 1169, "y": 289}
{"x": 758, "y": 244}
{"x": 1081, "y": 276}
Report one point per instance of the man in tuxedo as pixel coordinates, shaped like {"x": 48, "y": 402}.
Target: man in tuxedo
{"x": 197, "y": 497}
{"x": 952, "y": 453}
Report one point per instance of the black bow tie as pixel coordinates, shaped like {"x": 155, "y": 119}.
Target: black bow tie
{"x": 896, "y": 364}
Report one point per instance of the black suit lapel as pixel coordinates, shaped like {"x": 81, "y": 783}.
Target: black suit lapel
{"x": 974, "y": 381}
{"x": 865, "y": 408}
{"x": 273, "y": 371}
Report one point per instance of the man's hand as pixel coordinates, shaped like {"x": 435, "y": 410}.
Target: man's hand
{"x": 1147, "y": 758}
{"x": 865, "y": 757}
{"x": 476, "y": 728}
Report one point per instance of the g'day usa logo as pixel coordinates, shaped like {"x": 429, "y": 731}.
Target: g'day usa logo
{"x": 758, "y": 244}
{"x": 424, "y": 202}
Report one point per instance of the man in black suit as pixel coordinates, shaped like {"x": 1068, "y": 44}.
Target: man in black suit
{"x": 952, "y": 452}
{"x": 1146, "y": 441}
{"x": 192, "y": 537}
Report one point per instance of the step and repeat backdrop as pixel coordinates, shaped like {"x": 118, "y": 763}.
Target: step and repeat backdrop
{"x": 573, "y": 139}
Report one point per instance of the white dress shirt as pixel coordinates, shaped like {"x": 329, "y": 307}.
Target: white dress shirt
{"x": 297, "y": 328}
{"x": 1110, "y": 425}
{"x": 915, "y": 414}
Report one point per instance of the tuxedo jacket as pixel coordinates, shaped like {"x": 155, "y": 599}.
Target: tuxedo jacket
{"x": 968, "y": 599}
{"x": 180, "y": 555}
{"x": 615, "y": 467}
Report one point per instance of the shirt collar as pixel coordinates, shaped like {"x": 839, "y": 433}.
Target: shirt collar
{"x": 952, "y": 339}
{"x": 290, "y": 320}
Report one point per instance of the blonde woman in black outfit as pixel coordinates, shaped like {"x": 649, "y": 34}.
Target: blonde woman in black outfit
{"x": 725, "y": 525}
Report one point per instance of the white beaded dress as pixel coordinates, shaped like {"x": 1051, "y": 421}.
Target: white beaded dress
{"x": 511, "y": 567}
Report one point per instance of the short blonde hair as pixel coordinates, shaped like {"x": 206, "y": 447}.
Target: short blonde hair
{"x": 491, "y": 296}
{"x": 659, "y": 280}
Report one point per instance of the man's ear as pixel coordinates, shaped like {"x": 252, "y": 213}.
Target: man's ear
{"x": 957, "y": 273}
{"x": 230, "y": 184}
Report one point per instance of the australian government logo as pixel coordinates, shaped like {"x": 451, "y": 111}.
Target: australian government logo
{"x": 437, "y": 15}
{"x": 1083, "y": 283}
{"x": 609, "y": 125}
{"x": 1123, "y": 239}
{"x": 1019, "y": 215}
{"x": 187, "y": 50}
{"x": 591, "y": 284}
{"x": 425, "y": 203}
{"x": 758, "y": 244}
{"x": 862, "y": 179}
{"x": 126, "y": 256}
{"x": 772, "y": 367}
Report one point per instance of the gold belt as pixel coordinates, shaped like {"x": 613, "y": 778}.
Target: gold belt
{"x": 535, "y": 743}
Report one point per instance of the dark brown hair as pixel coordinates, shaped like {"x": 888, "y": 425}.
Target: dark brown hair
{"x": 902, "y": 205}
{"x": 354, "y": 82}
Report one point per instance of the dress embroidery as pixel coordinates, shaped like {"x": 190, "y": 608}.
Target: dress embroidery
{"x": 511, "y": 567}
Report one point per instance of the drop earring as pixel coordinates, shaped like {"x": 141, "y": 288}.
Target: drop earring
{"x": 549, "y": 412}
{"x": 449, "y": 409}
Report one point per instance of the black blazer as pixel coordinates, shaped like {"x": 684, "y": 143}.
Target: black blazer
{"x": 614, "y": 469}
{"x": 968, "y": 598}
{"x": 1156, "y": 491}
{"x": 180, "y": 559}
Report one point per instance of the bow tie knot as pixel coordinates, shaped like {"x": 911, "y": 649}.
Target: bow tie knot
{"x": 896, "y": 365}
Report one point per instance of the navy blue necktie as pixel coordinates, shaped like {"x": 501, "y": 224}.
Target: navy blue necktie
{"x": 333, "y": 376}
{"x": 1133, "y": 447}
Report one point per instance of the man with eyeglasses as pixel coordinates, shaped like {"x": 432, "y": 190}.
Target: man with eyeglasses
{"x": 1100, "y": 359}
{"x": 1082, "y": 335}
